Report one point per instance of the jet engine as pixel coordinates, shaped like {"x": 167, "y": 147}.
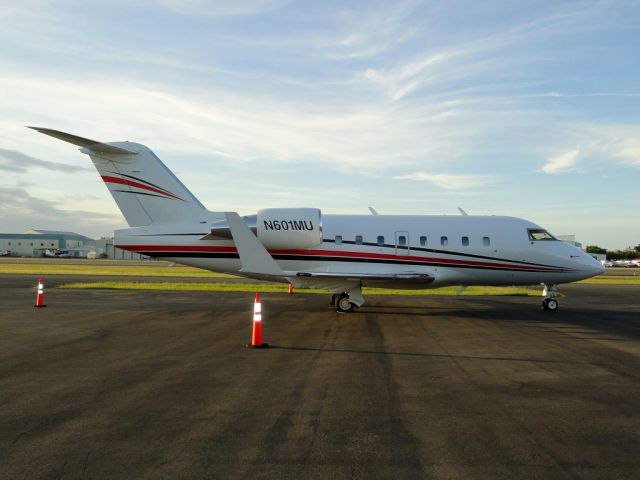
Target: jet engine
{"x": 289, "y": 228}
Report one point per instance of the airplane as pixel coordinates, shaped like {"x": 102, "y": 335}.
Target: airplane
{"x": 340, "y": 253}
{"x": 56, "y": 253}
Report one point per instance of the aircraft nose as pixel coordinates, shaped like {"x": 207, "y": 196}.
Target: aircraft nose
{"x": 591, "y": 265}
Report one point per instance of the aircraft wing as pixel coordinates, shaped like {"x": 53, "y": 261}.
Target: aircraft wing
{"x": 340, "y": 281}
{"x": 417, "y": 277}
{"x": 258, "y": 263}
{"x": 255, "y": 259}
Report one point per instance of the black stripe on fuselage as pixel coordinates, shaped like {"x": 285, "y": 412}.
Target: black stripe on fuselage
{"x": 346, "y": 260}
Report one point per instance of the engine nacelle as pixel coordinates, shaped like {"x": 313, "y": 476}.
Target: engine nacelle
{"x": 287, "y": 228}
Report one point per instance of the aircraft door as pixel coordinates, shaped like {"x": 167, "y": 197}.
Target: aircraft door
{"x": 402, "y": 243}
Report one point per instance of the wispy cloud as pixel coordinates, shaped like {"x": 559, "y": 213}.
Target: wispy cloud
{"x": 221, "y": 7}
{"x": 17, "y": 162}
{"x": 450, "y": 181}
{"x": 18, "y": 207}
{"x": 599, "y": 144}
{"x": 367, "y": 33}
{"x": 344, "y": 137}
{"x": 477, "y": 54}
{"x": 620, "y": 142}
{"x": 563, "y": 162}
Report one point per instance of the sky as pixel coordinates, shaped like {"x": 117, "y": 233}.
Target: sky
{"x": 529, "y": 109}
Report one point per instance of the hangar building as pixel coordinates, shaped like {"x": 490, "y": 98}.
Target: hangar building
{"x": 34, "y": 243}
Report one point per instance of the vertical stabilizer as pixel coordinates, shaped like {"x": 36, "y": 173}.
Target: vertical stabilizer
{"x": 145, "y": 190}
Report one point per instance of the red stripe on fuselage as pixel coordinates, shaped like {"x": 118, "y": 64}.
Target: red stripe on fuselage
{"x": 131, "y": 183}
{"x": 409, "y": 258}
{"x": 177, "y": 248}
{"x": 336, "y": 253}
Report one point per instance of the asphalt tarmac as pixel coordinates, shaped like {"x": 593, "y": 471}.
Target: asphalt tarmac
{"x": 116, "y": 384}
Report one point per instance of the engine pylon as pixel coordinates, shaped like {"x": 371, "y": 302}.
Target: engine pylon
{"x": 256, "y": 336}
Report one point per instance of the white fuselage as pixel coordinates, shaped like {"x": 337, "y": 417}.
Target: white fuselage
{"x": 453, "y": 250}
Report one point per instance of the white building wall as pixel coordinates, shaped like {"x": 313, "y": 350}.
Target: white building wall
{"x": 25, "y": 247}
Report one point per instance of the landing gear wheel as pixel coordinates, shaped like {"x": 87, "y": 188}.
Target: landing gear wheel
{"x": 550, "y": 304}
{"x": 343, "y": 305}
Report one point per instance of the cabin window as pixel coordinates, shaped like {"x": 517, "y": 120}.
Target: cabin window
{"x": 444, "y": 241}
{"x": 486, "y": 241}
{"x": 52, "y": 244}
{"x": 423, "y": 241}
{"x": 42, "y": 244}
{"x": 32, "y": 244}
{"x": 338, "y": 239}
{"x": 539, "y": 234}
{"x": 358, "y": 239}
{"x": 465, "y": 241}
{"x": 402, "y": 241}
{"x": 9, "y": 243}
{"x": 380, "y": 241}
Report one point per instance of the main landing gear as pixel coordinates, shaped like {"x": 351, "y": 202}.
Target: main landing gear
{"x": 346, "y": 302}
{"x": 550, "y": 294}
{"x": 342, "y": 303}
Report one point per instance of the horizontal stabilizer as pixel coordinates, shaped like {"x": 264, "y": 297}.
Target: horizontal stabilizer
{"x": 84, "y": 142}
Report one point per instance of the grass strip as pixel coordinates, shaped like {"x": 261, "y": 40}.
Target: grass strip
{"x": 110, "y": 270}
{"x": 154, "y": 270}
{"x": 612, "y": 280}
{"x": 281, "y": 288}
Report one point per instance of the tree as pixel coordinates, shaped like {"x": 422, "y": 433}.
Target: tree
{"x": 595, "y": 249}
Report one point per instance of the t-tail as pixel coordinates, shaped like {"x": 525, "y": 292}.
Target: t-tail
{"x": 143, "y": 187}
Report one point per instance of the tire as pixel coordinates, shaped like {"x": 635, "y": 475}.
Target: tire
{"x": 343, "y": 305}
{"x": 550, "y": 304}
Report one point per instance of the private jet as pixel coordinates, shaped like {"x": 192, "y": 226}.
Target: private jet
{"x": 340, "y": 253}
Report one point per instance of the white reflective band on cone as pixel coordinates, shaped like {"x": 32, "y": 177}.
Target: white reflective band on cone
{"x": 40, "y": 289}
{"x": 257, "y": 317}
{"x": 257, "y": 308}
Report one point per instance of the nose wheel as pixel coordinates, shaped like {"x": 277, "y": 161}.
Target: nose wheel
{"x": 550, "y": 304}
{"x": 550, "y": 294}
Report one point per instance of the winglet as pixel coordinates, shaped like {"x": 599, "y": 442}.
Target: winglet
{"x": 84, "y": 142}
{"x": 373, "y": 211}
{"x": 254, "y": 257}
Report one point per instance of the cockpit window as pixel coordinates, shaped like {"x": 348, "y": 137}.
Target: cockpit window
{"x": 539, "y": 234}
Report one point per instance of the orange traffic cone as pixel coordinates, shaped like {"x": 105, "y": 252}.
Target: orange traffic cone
{"x": 256, "y": 337}
{"x": 40, "y": 294}
{"x": 290, "y": 289}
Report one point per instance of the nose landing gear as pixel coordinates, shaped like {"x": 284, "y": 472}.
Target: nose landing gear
{"x": 550, "y": 294}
